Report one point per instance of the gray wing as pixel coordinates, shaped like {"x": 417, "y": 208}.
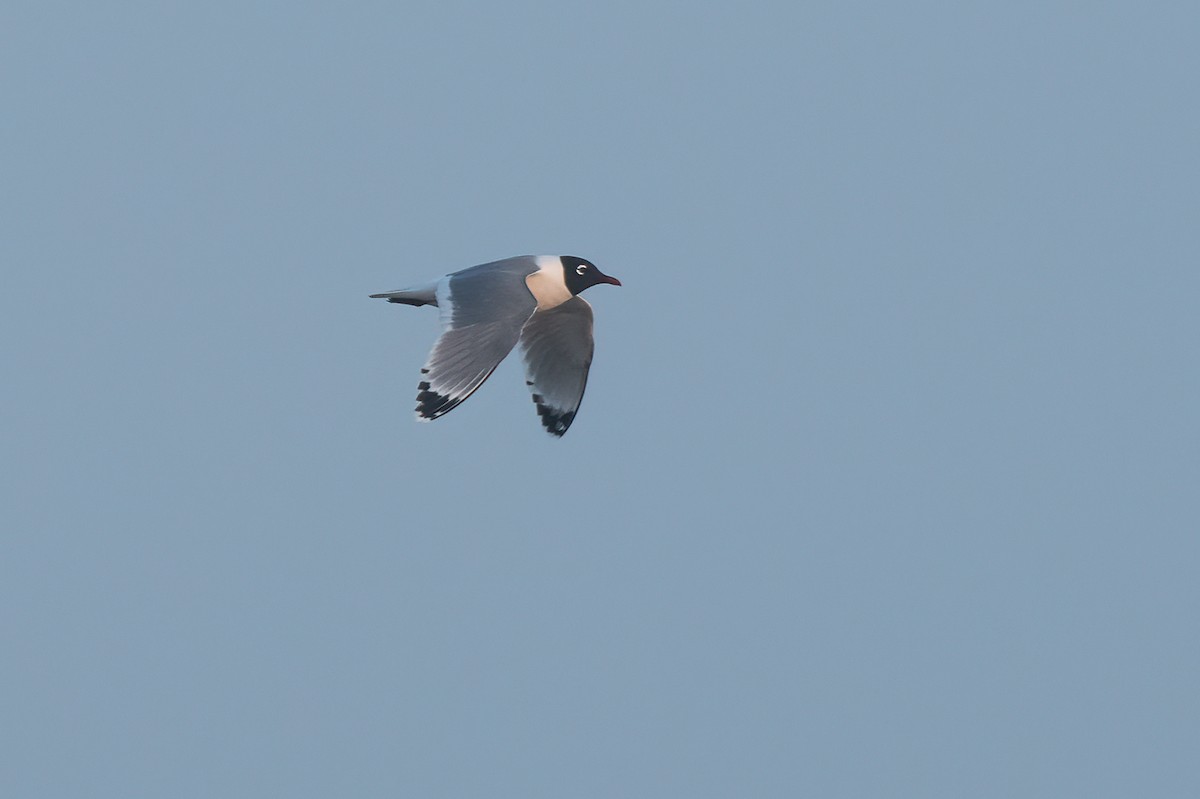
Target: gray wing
{"x": 482, "y": 311}
{"x": 557, "y": 348}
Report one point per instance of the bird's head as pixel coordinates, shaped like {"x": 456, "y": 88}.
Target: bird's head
{"x": 580, "y": 273}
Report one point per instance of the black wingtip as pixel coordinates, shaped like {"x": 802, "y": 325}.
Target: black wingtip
{"x": 555, "y": 421}
{"x": 430, "y": 404}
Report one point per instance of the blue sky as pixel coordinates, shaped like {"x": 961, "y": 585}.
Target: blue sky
{"x": 885, "y": 480}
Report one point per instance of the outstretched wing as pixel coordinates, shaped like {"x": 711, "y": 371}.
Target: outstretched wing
{"x": 557, "y": 348}
{"x": 482, "y": 310}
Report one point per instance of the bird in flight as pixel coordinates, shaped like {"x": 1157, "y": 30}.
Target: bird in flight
{"x": 486, "y": 310}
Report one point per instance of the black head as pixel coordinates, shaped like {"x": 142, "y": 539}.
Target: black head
{"x": 580, "y": 274}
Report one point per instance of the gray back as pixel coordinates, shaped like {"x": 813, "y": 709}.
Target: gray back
{"x": 489, "y": 292}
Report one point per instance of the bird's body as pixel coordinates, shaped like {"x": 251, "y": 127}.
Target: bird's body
{"x": 486, "y": 310}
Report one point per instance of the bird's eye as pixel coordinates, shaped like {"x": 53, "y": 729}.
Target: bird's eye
{"x": 579, "y": 270}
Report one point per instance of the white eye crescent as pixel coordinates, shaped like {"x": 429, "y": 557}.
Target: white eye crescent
{"x": 579, "y": 270}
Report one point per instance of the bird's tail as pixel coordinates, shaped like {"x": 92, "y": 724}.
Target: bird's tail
{"x": 421, "y": 295}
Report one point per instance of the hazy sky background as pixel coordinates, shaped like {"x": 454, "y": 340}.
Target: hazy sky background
{"x": 885, "y": 484}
